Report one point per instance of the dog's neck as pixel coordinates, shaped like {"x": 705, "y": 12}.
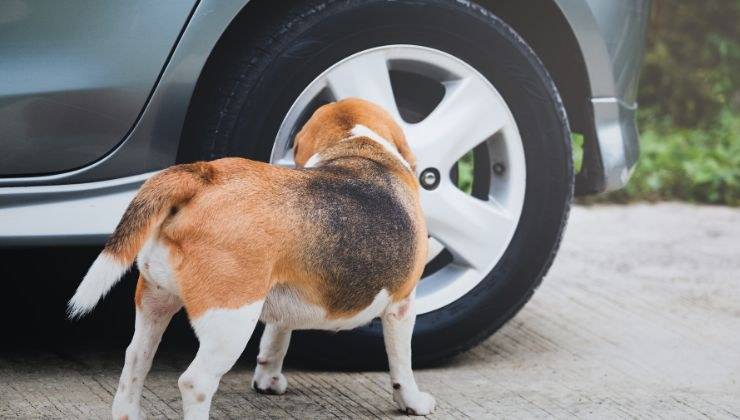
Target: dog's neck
{"x": 358, "y": 132}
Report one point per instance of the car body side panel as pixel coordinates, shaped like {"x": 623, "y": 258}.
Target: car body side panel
{"x": 75, "y": 214}
{"x": 76, "y": 74}
{"x": 152, "y": 143}
{"x": 105, "y": 186}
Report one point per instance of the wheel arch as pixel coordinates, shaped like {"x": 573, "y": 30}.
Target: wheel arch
{"x": 237, "y": 30}
{"x": 545, "y": 28}
{"x": 550, "y": 33}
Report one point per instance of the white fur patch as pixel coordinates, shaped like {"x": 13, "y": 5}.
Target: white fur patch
{"x": 398, "y": 327}
{"x": 223, "y": 335}
{"x": 268, "y": 376}
{"x": 227, "y": 326}
{"x": 313, "y": 161}
{"x": 154, "y": 263}
{"x": 285, "y": 308}
{"x": 153, "y": 314}
{"x": 100, "y": 278}
{"x": 360, "y": 130}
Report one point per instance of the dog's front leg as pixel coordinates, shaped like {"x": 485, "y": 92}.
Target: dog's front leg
{"x": 398, "y": 326}
{"x": 268, "y": 378}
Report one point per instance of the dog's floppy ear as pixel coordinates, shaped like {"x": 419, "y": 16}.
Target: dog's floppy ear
{"x": 318, "y": 133}
{"x": 299, "y": 162}
{"x": 306, "y": 142}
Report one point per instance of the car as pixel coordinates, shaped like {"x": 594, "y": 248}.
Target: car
{"x": 98, "y": 96}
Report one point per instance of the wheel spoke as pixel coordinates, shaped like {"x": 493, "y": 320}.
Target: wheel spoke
{"x": 365, "y": 76}
{"x": 468, "y": 115}
{"x": 434, "y": 247}
{"x": 287, "y": 160}
{"x": 472, "y": 230}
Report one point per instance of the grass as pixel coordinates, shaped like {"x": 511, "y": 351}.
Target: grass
{"x": 700, "y": 165}
{"x": 465, "y": 172}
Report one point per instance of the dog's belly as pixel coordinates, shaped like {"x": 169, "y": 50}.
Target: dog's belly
{"x": 284, "y": 307}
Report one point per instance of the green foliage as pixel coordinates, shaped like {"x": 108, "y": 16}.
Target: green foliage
{"x": 465, "y": 172}
{"x": 576, "y": 141}
{"x": 698, "y": 165}
{"x": 689, "y": 99}
{"x": 691, "y": 73}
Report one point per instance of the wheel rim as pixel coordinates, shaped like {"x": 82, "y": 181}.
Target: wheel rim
{"x": 468, "y": 232}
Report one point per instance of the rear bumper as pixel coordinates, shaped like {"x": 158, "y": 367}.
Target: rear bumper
{"x": 617, "y": 141}
{"x": 611, "y": 36}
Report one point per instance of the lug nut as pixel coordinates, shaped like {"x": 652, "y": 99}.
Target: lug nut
{"x": 429, "y": 178}
{"x": 498, "y": 168}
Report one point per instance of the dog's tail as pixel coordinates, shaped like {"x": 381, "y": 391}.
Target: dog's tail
{"x": 158, "y": 198}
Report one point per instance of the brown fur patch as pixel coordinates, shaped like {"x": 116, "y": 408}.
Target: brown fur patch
{"x": 337, "y": 234}
{"x": 156, "y": 198}
{"x": 141, "y": 287}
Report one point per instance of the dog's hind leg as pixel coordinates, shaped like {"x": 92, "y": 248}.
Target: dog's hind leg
{"x": 154, "y": 309}
{"x": 398, "y": 326}
{"x": 223, "y": 333}
{"x": 268, "y": 378}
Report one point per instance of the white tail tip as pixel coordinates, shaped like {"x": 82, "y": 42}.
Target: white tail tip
{"x": 100, "y": 278}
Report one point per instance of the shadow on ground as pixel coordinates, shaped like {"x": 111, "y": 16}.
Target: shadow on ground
{"x": 38, "y": 283}
{"x": 41, "y": 280}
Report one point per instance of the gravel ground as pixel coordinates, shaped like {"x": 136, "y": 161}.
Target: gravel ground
{"x": 639, "y": 317}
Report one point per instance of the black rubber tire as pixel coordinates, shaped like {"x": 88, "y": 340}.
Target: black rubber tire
{"x": 273, "y": 53}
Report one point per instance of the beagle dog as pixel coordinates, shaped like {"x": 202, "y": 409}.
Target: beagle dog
{"x": 330, "y": 245}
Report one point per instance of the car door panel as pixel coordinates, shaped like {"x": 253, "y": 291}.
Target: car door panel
{"x": 76, "y": 75}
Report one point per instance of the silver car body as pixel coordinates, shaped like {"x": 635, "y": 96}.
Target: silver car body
{"x": 94, "y": 96}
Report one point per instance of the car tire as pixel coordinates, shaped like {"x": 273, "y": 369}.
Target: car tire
{"x": 261, "y": 66}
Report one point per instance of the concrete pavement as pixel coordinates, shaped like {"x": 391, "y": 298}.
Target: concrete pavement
{"x": 639, "y": 317}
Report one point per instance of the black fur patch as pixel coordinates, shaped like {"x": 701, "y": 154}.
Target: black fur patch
{"x": 367, "y": 240}
{"x": 133, "y": 219}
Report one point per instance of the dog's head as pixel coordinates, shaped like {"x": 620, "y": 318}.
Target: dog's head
{"x": 337, "y": 121}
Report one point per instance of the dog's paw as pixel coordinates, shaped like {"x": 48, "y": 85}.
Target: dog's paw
{"x": 264, "y": 383}
{"x": 124, "y": 409}
{"x": 414, "y": 403}
{"x": 134, "y": 415}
